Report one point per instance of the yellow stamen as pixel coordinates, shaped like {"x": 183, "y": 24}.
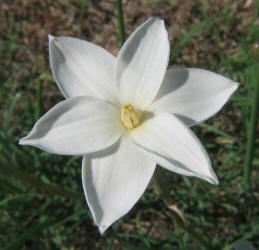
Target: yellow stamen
{"x": 129, "y": 116}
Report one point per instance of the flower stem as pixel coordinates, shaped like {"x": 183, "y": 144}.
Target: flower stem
{"x": 120, "y": 21}
{"x": 251, "y": 132}
{"x": 161, "y": 187}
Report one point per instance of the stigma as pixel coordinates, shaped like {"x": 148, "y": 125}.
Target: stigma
{"x": 129, "y": 116}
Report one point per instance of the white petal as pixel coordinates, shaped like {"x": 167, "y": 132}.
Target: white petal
{"x": 174, "y": 146}
{"x": 193, "y": 94}
{"x": 142, "y": 63}
{"x": 114, "y": 180}
{"x": 244, "y": 245}
{"x": 76, "y": 126}
{"x": 82, "y": 68}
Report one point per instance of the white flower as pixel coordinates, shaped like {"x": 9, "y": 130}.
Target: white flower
{"x": 126, "y": 114}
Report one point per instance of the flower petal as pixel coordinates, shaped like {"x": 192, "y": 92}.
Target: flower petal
{"x": 174, "y": 146}
{"x": 114, "y": 180}
{"x": 244, "y": 245}
{"x": 142, "y": 63}
{"x": 193, "y": 94}
{"x": 82, "y": 68}
{"x": 76, "y": 126}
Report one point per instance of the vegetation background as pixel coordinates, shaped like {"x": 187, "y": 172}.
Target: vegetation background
{"x": 42, "y": 204}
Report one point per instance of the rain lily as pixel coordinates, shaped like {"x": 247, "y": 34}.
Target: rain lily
{"x": 127, "y": 114}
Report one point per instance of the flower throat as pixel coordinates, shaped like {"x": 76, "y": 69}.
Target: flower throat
{"x": 129, "y": 116}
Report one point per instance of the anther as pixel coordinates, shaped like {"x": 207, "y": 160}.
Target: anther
{"x": 129, "y": 116}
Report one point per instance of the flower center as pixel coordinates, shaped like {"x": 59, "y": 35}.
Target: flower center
{"x": 129, "y": 116}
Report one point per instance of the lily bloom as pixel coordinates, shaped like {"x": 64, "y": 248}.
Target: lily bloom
{"x": 127, "y": 114}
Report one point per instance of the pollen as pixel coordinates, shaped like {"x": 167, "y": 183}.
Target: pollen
{"x": 129, "y": 116}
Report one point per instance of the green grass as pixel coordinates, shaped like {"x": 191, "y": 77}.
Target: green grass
{"x": 42, "y": 203}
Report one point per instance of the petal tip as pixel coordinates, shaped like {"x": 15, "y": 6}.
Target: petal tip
{"x": 51, "y": 38}
{"x": 22, "y": 141}
{"x": 237, "y": 84}
{"x": 25, "y": 141}
{"x": 102, "y": 229}
{"x": 213, "y": 180}
{"x": 216, "y": 182}
{"x": 153, "y": 19}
